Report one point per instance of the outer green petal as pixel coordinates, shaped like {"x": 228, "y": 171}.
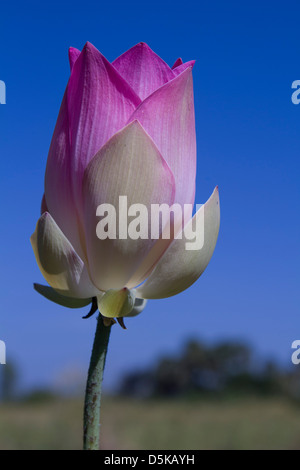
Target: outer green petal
{"x": 54, "y": 296}
{"x": 116, "y": 303}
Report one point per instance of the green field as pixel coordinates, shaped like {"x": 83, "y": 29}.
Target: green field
{"x": 162, "y": 425}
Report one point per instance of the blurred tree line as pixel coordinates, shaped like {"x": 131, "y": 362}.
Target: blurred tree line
{"x": 227, "y": 368}
{"x": 223, "y": 369}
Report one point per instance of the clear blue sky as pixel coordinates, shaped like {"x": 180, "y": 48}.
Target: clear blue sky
{"x": 248, "y": 137}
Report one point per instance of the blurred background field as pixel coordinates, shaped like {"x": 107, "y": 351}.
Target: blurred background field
{"x": 216, "y": 396}
{"x": 155, "y": 424}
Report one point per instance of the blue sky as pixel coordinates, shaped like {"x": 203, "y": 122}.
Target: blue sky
{"x": 248, "y": 141}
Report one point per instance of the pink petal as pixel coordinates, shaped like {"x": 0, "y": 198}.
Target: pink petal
{"x": 128, "y": 165}
{"x": 58, "y": 188}
{"x": 73, "y": 56}
{"x": 182, "y": 67}
{"x": 177, "y": 62}
{"x": 144, "y": 70}
{"x": 100, "y": 102}
{"x": 168, "y": 117}
{"x": 44, "y": 207}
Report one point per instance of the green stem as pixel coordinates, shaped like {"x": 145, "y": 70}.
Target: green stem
{"x": 94, "y": 387}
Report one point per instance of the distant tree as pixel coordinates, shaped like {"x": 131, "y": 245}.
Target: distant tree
{"x": 138, "y": 384}
{"x": 170, "y": 377}
{"x": 231, "y": 358}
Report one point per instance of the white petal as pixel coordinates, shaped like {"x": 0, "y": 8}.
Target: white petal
{"x": 128, "y": 165}
{"x": 59, "y": 263}
{"x": 139, "y": 306}
{"x": 179, "y": 268}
